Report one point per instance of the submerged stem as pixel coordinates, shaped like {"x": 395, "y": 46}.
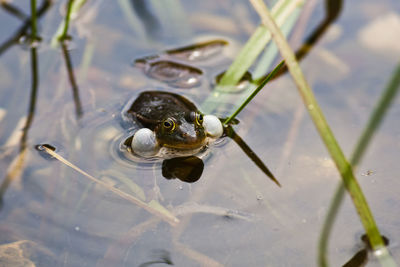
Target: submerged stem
{"x": 72, "y": 80}
{"x": 64, "y": 34}
{"x": 34, "y": 20}
{"x": 33, "y": 96}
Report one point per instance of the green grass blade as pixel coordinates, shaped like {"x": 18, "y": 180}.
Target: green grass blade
{"x": 323, "y": 128}
{"x": 271, "y": 51}
{"x": 246, "y": 57}
{"x": 281, "y": 11}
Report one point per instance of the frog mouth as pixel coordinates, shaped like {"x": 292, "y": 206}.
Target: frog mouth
{"x": 187, "y": 145}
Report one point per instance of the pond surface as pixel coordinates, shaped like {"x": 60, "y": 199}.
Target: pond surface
{"x": 234, "y": 215}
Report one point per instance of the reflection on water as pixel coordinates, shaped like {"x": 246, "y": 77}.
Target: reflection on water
{"x": 187, "y": 169}
{"x": 199, "y": 51}
{"x": 165, "y": 67}
{"x": 172, "y": 73}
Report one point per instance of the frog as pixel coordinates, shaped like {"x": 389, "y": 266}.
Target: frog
{"x": 170, "y": 125}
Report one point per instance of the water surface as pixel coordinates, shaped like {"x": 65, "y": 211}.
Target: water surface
{"x": 233, "y": 215}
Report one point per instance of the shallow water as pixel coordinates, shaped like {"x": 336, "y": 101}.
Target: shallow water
{"x": 233, "y": 215}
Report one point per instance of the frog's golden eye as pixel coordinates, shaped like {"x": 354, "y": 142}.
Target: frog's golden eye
{"x": 169, "y": 124}
{"x": 199, "y": 119}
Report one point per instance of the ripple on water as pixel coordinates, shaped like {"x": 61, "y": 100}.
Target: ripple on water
{"x": 104, "y": 140}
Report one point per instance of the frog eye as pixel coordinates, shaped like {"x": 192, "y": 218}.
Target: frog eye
{"x": 169, "y": 124}
{"x": 199, "y": 119}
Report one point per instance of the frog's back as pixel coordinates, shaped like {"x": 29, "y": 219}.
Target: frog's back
{"x": 151, "y": 107}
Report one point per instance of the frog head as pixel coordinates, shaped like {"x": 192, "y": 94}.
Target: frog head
{"x": 181, "y": 133}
